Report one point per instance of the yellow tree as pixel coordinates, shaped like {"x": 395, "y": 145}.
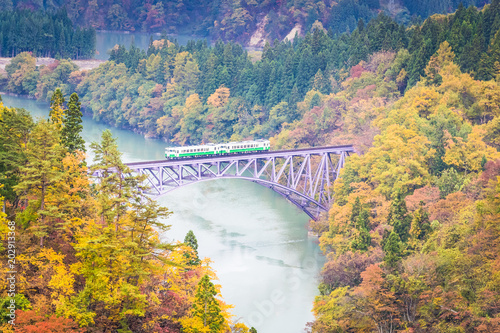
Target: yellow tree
{"x": 69, "y": 198}
{"x": 443, "y": 56}
{"x": 398, "y": 160}
{"x": 119, "y": 248}
{"x": 467, "y": 155}
{"x": 57, "y": 109}
{"x": 219, "y": 98}
{"x": 4, "y": 223}
{"x": 192, "y": 121}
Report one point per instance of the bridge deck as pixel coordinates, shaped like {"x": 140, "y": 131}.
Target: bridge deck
{"x": 291, "y": 173}
{"x": 233, "y": 157}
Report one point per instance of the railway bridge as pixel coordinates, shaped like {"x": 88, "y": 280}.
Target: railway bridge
{"x": 303, "y": 176}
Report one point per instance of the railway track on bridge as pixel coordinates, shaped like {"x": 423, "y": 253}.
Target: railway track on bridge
{"x": 303, "y": 176}
{"x": 266, "y": 154}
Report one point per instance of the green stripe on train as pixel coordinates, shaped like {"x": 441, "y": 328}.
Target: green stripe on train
{"x": 194, "y": 154}
{"x": 214, "y": 153}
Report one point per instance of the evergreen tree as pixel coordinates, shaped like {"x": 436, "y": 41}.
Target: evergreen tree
{"x": 420, "y": 225}
{"x": 15, "y": 128}
{"x": 70, "y": 134}
{"x": 190, "y": 240}
{"x": 116, "y": 186}
{"x": 392, "y": 249}
{"x": 398, "y": 217}
{"x": 44, "y": 163}
{"x": 360, "y": 219}
{"x": 206, "y": 306}
{"x": 315, "y": 100}
{"x": 356, "y": 210}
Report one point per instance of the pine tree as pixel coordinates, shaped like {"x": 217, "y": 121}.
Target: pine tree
{"x": 398, "y": 217}
{"x": 392, "y": 249}
{"x": 206, "y": 306}
{"x": 116, "y": 186}
{"x": 15, "y": 127}
{"x": 190, "y": 240}
{"x": 70, "y": 134}
{"x": 360, "y": 220}
{"x": 356, "y": 210}
{"x": 44, "y": 156}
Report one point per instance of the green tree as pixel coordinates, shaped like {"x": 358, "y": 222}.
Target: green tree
{"x": 398, "y": 217}
{"x": 15, "y": 128}
{"x": 360, "y": 220}
{"x": 392, "y": 249}
{"x": 190, "y": 240}
{"x": 44, "y": 163}
{"x": 116, "y": 186}
{"x": 449, "y": 182}
{"x": 206, "y": 306}
{"x": 70, "y": 133}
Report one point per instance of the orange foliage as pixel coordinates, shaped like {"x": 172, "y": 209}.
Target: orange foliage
{"x": 34, "y": 322}
{"x": 445, "y": 209}
{"x": 427, "y": 194}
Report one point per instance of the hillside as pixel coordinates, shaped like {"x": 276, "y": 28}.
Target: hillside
{"x": 198, "y": 93}
{"x": 412, "y": 240}
{"x": 235, "y": 20}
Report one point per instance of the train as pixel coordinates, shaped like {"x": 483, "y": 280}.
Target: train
{"x": 212, "y": 149}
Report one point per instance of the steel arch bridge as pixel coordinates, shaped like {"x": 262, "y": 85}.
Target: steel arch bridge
{"x": 303, "y": 176}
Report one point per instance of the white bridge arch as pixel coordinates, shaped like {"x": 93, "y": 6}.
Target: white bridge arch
{"x": 303, "y": 176}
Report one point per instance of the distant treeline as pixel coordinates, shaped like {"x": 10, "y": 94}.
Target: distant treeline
{"x": 237, "y": 20}
{"x": 45, "y": 34}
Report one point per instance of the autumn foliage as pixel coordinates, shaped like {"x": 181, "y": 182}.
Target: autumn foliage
{"x": 90, "y": 258}
{"x": 430, "y": 183}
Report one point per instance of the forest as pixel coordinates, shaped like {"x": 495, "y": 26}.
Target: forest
{"x": 44, "y": 34}
{"x": 199, "y": 93}
{"x": 412, "y": 240}
{"x": 237, "y": 20}
{"x": 88, "y": 254}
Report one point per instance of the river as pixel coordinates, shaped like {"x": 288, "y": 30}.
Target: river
{"x": 266, "y": 263}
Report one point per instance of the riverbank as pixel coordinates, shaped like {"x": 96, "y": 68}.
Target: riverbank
{"x": 83, "y": 64}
